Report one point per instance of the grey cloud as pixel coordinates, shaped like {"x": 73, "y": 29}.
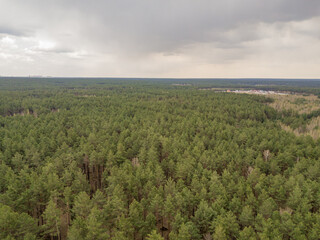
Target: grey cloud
{"x": 143, "y": 26}
{"x": 12, "y": 31}
{"x": 57, "y": 50}
{"x": 133, "y": 31}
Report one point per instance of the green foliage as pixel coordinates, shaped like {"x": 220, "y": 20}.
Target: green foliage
{"x": 203, "y": 216}
{"x": 138, "y": 159}
{"x": 16, "y": 226}
{"x": 52, "y": 220}
{"x": 220, "y": 233}
{"x": 246, "y": 218}
{"x": 154, "y": 236}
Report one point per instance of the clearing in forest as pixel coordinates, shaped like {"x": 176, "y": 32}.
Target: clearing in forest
{"x": 301, "y": 104}
{"x": 296, "y": 102}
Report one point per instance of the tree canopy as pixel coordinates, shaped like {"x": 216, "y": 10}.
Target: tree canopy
{"x": 146, "y": 160}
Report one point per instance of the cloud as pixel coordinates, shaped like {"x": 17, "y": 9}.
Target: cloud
{"x": 150, "y": 26}
{"x": 160, "y": 38}
{"x": 10, "y": 31}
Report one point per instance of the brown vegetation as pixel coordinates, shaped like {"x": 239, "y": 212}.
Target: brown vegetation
{"x": 302, "y": 105}
{"x": 296, "y": 102}
{"x": 312, "y": 129}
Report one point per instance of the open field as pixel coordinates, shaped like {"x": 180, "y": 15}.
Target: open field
{"x": 297, "y": 102}
{"x": 302, "y": 105}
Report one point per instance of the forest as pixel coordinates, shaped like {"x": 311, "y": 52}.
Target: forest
{"x": 157, "y": 159}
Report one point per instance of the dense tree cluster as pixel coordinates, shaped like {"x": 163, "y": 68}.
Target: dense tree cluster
{"x": 144, "y": 161}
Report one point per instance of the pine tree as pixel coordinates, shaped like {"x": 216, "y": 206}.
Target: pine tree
{"x": 246, "y": 218}
{"x": 219, "y": 233}
{"x": 154, "y": 236}
{"x": 52, "y": 220}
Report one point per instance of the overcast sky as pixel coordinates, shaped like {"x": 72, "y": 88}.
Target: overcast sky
{"x": 160, "y": 38}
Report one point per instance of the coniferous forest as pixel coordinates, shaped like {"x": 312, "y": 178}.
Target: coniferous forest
{"x": 85, "y": 159}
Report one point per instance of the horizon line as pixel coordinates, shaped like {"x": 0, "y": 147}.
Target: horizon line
{"x": 149, "y": 78}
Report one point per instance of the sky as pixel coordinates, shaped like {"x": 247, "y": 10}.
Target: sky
{"x": 160, "y": 38}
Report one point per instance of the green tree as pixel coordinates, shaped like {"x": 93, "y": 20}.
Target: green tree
{"x": 16, "y": 226}
{"x": 82, "y": 205}
{"x": 220, "y": 233}
{"x": 154, "y": 236}
{"x": 246, "y": 217}
{"x": 95, "y": 226}
{"x": 52, "y": 220}
{"x": 247, "y": 234}
{"x": 203, "y": 217}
